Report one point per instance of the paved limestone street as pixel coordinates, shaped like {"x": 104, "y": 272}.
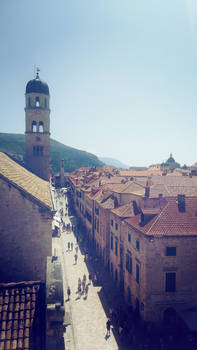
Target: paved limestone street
{"x": 88, "y": 319}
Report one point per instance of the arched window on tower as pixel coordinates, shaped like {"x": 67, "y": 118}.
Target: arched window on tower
{"x": 41, "y": 127}
{"x": 41, "y": 151}
{"x": 33, "y": 126}
{"x": 37, "y": 150}
{"x": 37, "y": 101}
{"x": 45, "y": 102}
{"x": 29, "y": 102}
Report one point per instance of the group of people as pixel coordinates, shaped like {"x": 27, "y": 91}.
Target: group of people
{"x": 83, "y": 286}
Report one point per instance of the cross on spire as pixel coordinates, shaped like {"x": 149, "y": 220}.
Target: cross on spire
{"x": 37, "y": 72}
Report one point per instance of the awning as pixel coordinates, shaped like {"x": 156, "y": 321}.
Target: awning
{"x": 189, "y": 316}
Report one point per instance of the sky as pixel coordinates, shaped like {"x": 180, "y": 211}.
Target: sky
{"x": 122, "y": 74}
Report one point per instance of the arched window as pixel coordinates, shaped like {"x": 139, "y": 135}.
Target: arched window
{"x": 41, "y": 151}
{"x": 38, "y": 151}
{"x": 29, "y": 102}
{"x": 37, "y": 101}
{"x": 45, "y": 102}
{"x": 41, "y": 127}
{"x": 33, "y": 126}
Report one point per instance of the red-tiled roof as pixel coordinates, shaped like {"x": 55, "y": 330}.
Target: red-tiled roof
{"x": 124, "y": 210}
{"x": 173, "y": 185}
{"x": 170, "y": 221}
{"x": 140, "y": 173}
{"x": 17, "y": 314}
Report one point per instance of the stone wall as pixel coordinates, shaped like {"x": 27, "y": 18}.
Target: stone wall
{"x": 25, "y": 236}
{"x": 183, "y": 264}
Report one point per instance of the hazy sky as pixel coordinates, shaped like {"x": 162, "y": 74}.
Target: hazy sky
{"x": 122, "y": 74}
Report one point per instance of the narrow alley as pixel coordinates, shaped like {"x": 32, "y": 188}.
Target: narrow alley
{"x": 87, "y": 330}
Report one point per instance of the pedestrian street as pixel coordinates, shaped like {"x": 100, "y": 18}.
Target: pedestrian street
{"x": 87, "y": 315}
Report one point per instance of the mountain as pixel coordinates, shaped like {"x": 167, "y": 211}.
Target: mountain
{"x": 113, "y": 162}
{"x": 14, "y": 145}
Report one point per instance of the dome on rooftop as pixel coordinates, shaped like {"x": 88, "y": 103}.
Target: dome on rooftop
{"x": 38, "y": 86}
{"x": 171, "y": 159}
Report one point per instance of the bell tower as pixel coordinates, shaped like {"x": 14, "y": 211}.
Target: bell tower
{"x": 37, "y": 130}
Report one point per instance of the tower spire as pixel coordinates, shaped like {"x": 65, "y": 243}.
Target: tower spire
{"x": 37, "y": 72}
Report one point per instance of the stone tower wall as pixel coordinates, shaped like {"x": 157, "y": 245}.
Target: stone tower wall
{"x": 37, "y": 123}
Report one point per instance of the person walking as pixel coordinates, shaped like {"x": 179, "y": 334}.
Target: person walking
{"x": 76, "y": 249}
{"x": 86, "y": 290}
{"x": 75, "y": 257}
{"x": 71, "y": 246}
{"x": 83, "y": 287}
{"x": 90, "y": 278}
{"x": 79, "y": 289}
{"x": 68, "y": 292}
{"x": 108, "y": 327}
{"x": 84, "y": 277}
{"x": 68, "y": 245}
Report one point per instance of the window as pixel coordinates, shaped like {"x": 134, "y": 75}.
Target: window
{"x": 129, "y": 237}
{"x": 116, "y": 247}
{"x": 116, "y": 275}
{"x": 41, "y": 151}
{"x": 41, "y": 127}
{"x": 97, "y": 226}
{"x": 29, "y": 102}
{"x": 33, "y": 126}
{"x": 38, "y": 151}
{"x": 137, "y": 273}
{"x": 171, "y": 282}
{"x": 112, "y": 223}
{"x": 37, "y": 101}
{"x": 137, "y": 245}
{"x": 45, "y": 102}
{"x": 116, "y": 226}
{"x": 97, "y": 211}
{"x": 112, "y": 243}
{"x": 170, "y": 251}
{"x": 129, "y": 263}
{"x": 112, "y": 269}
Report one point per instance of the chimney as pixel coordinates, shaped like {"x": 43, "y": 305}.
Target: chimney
{"x": 181, "y": 202}
{"x": 141, "y": 218}
{"x": 147, "y": 191}
{"x": 135, "y": 208}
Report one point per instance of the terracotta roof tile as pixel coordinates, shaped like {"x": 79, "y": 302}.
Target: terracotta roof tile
{"x": 140, "y": 173}
{"x": 15, "y": 326}
{"x": 124, "y": 210}
{"x": 170, "y": 221}
{"x": 130, "y": 187}
{"x": 171, "y": 186}
{"x": 25, "y": 180}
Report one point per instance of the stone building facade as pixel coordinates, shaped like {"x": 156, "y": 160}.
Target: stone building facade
{"x": 146, "y": 233}
{"x": 26, "y": 223}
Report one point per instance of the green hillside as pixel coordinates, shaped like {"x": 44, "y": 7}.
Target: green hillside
{"x": 14, "y": 145}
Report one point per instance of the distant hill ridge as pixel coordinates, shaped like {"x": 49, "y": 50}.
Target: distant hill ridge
{"x": 14, "y": 145}
{"x": 114, "y": 162}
